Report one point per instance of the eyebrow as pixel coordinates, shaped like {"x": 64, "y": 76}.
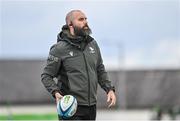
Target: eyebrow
{"x": 82, "y": 18}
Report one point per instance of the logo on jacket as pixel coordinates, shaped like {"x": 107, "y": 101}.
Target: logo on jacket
{"x": 92, "y": 50}
{"x": 71, "y": 53}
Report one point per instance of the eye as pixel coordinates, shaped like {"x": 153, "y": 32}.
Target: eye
{"x": 82, "y": 19}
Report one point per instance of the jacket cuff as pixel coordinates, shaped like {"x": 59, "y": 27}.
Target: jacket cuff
{"x": 109, "y": 89}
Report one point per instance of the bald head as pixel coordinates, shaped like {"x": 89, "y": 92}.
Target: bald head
{"x": 77, "y": 23}
{"x": 71, "y": 15}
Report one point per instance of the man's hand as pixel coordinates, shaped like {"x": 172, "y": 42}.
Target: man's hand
{"x": 111, "y": 97}
{"x": 58, "y": 96}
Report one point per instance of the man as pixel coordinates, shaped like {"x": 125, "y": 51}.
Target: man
{"x": 76, "y": 61}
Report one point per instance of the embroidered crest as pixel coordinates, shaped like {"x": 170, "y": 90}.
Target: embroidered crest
{"x": 92, "y": 50}
{"x": 71, "y": 53}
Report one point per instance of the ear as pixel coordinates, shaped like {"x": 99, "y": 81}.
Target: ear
{"x": 71, "y": 24}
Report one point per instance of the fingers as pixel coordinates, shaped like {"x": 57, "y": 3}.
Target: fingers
{"x": 57, "y": 99}
{"x": 58, "y": 96}
{"x": 108, "y": 98}
{"x": 110, "y": 105}
{"x": 111, "y": 98}
{"x": 113, "y": 102}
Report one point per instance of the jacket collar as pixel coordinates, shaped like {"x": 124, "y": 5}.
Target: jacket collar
{"x": 77, "y": 41}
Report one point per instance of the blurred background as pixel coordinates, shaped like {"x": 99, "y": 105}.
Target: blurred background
{"x": 140, "y": 45}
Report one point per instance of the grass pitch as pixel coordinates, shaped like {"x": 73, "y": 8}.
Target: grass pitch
{"x": 51, "y": 116}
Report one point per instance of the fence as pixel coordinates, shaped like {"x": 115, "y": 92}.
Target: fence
{"x": 20, "y": 84}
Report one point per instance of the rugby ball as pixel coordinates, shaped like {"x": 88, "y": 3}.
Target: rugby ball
{"x": 67, "y": 106}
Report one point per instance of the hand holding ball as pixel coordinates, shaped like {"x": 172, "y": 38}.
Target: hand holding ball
{"x": 67, "y": 106}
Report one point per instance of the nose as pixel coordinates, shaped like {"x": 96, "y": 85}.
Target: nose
{"x": 85, "y": 22}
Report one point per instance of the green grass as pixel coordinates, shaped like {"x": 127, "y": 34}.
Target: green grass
{"x": 29, "y": 117}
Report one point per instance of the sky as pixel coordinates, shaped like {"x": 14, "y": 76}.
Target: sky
{"x": 130, "y": 33}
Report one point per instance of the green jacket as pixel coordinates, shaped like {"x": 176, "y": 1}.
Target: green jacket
{"x": 78, "y": 65}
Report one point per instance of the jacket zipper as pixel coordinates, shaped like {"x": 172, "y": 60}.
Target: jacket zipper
{"x": 88, "y": 78}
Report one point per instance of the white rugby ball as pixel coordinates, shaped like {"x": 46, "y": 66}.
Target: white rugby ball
{"x": 67, "y": 106}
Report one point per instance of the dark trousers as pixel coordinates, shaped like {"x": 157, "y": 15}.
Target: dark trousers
{"x": 83, "y": 113}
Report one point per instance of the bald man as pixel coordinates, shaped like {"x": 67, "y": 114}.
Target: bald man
{"x": 77, "y": 63}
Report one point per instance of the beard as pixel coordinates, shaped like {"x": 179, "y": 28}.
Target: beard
{"x": 84, "y": 31}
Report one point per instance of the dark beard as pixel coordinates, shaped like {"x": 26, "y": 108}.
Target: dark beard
{"x": 82, "y": 31}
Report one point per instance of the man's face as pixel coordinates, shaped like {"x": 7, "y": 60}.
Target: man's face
{"x": 80, "y": 24}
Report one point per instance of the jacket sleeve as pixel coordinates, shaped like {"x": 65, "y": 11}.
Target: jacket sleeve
{"x": 103, "y": 79}
{"x": 51, "y": 71}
